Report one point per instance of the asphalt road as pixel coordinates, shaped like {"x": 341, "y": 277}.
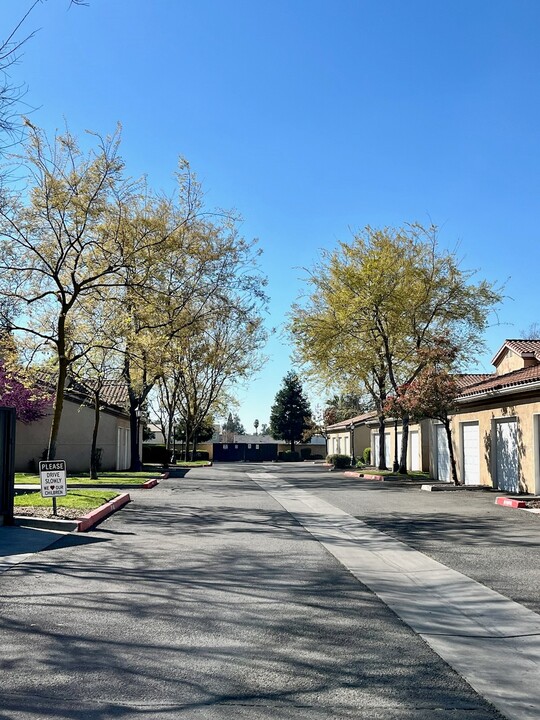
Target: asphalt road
{"x": 205, "y": 599}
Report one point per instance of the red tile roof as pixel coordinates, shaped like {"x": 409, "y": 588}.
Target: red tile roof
{"x": 113, "y": 395}
{"x": 516, "y": 378}
{"x": 358, "y": 420}
{"x": 466, "y": 379}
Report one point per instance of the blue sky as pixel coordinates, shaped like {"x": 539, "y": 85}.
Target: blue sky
{"x": 314, "y": 119}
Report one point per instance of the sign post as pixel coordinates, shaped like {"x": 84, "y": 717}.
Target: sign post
{"x": 52, "y": 474}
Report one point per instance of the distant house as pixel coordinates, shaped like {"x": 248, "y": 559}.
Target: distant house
{"x": 496, "y": 428}
{"x": 75, "y": 435}
{"x": 351, "y": 436}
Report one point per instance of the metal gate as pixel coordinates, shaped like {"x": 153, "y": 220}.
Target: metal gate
{"x": 246, "y": 452}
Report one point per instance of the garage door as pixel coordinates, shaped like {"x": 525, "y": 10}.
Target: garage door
{"x": 414, "y": 450}
{"x": 470, "y": 444}
{"x": 506, "y": 439}
{"x": 376, "y": 454}
{"x": 443, "y": 456}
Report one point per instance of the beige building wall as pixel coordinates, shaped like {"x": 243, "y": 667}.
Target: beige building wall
{"x": 418, "y": 445}
{"x": 74, "y": 439}
{"x": 339, "y": 442}
{"x": 511, "y": 361}
{"x": 527, "y": 413}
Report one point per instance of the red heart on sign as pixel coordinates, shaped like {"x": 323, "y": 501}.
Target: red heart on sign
{"x": 52, "y": 487}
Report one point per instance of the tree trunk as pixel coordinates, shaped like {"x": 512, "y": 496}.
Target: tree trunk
{"x": 58, "y": 406}
{"x": 382, "y": 449}
{"x": 93, "y": 450}
{"x": 395, "y": 466}
{"x": 453, "y": 468}
{"x": 292, "y": 444}
{"x": 404, "y": 445}
{"x": 136, "y": 464}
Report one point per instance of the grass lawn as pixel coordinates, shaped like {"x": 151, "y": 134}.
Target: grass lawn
{"x": 191, "y": 463}
{"x": 79, "y": 499}
{"x": 412, "y": 474}
{"x": 105, "y": 478}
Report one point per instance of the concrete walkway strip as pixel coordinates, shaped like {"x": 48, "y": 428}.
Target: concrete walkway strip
{"x": 491, "y": 641}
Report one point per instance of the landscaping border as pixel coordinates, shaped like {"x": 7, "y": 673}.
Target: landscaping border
{"x": 82, "y": 524}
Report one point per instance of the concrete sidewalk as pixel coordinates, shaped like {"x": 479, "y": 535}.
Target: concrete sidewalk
{"x": 491, "y": 641}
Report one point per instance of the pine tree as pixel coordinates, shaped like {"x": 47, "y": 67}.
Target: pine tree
{"x": 290, "y": 415}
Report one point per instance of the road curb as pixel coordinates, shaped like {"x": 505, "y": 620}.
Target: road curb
{"x": 363, "y": 476}
{"x": 510, "y": 502}
{"x": 150, "y": 483}
{"x": 92, "y": 518}
{"x": 45, "y": 523}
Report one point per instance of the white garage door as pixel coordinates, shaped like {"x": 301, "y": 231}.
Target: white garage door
{"x": 376, "y": 454}
{"x": 470, "y": 443}
{"x": 443, "y": 456}
{"x": 506, "y": 438}
{"x": 414, "y": 450}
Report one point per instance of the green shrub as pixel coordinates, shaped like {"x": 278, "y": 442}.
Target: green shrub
{"x": 367, "y": 456}
{"x": 201, "y": 455}
{"x": 305, "y": 453}
{"x": 155, "y": 455}
{"x": 289, "y": 456}
{"x": 339, "y": 461}
{"x": 316, "y": 456}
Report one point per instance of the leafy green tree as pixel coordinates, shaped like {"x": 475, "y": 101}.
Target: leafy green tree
{"x": 196, "y": 272}
{"x": 290, "y": 415}
{"x": 234, "y": 424}
{"x": 433, "y": 392}
{"x": 376, "y": 301}
{"x": 62, "y": 247}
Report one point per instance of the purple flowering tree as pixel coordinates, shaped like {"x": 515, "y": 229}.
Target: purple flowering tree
{"x": 30, "y": 403}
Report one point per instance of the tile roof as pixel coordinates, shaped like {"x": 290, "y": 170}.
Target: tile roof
{"x": 345, "y": 424}
{"x": 523, "y": 348}
{"x": 113, "y": 395}
{"x": 516, "y": 378}
{"x": 464, "y": 380}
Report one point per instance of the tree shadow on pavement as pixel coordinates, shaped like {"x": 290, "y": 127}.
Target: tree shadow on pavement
{"x": 213, "y": 614}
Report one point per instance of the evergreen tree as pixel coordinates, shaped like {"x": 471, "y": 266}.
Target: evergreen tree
{"x": 290, "y": 415}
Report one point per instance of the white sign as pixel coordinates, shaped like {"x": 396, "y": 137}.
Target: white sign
{"x": 52, "y": 474}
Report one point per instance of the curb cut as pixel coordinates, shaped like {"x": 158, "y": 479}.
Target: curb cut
{"x": 92, "y": 518}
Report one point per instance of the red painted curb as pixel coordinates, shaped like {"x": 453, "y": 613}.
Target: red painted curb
{"x": 363, "y": 476}
{"x": 510, "y": 502}
{"x": 90, "y": 519}
{"x": 150, "y": 483}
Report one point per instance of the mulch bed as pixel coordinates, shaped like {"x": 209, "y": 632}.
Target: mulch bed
{"x": 533, "y": 504}
{"x": 62, "y": 513}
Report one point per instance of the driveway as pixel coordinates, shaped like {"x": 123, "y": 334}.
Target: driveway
{"x": 204, "y": 598}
